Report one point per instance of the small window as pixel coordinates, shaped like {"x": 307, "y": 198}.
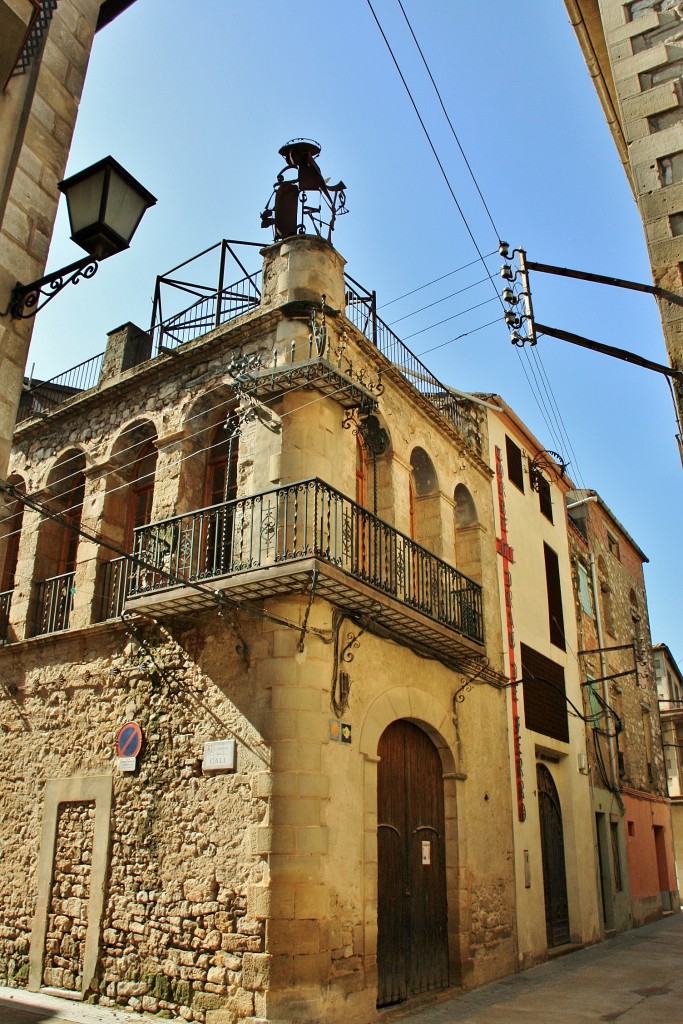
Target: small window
{"x": 676, "y": 224}
{"x": 616, "y": 859}
{"x": 543, "y": 688}
{"x": 584, "y": 589}
{"x": 613, "y": 544}
{"x": 670, "y": 169}
{"x": 631, "y": 826}
{"x": 515, "y": 466}
{"x": 555, "y": 615}
{"x": 544, "y": 499}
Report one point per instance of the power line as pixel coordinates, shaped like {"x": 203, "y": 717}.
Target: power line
{"x": 541, "y": 386}
{"x": 450, "y": 123}
{"x": 435, "y": 280}
{"x": 433, "y": 149}
{"x": 437, "y": 302}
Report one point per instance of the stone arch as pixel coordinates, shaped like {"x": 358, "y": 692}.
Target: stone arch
{"x": 10, "y": 536}
{"x": 57, "y": 547}
{"x": 425, "y": 502}
{"x": 436, "y": 720}
{"x": 132, "y": 461}
{"x": 467, "y": 534}
{"x": 212, "y": 410}
{"x": 423, "y": 473}
{"x": 11, "y": 533}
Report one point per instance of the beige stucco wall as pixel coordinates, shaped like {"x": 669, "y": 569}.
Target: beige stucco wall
{"x": 527, "y": 530}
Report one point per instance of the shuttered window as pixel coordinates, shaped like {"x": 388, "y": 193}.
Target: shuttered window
{"x": 514, "y": 458}
{"x": 545, "y": 707}
{"x": 555, "y": 616}
{"x": 544, "y": 499}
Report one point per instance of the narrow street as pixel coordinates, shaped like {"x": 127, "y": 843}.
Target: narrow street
{"x": 635, "y": 978}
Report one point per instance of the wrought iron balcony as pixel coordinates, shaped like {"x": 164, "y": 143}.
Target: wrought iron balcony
{"x": 54, "y": 604}
{"x": 270, "y": 543}
{"x": 5, "y": 602}
{"x": 114, "y": 584}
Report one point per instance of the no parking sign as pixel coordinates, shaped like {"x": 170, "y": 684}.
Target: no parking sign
{"x": 128, "y": 746}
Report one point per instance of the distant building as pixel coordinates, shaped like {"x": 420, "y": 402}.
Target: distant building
{"x": 632, "y": 820}
{"x": 635, "y": 59}
{"x": 670, "y": 693}
{"x": 551, "y": 797}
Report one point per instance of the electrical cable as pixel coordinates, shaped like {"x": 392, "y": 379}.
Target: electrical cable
{"x": 421, "y": 309}
{"x": 548, "y": 415}
{"x": 447, "y": 319}
{"x": 435, "y": 280}
{"x": 450, "y": 123}
{"x": 434, "y": 152}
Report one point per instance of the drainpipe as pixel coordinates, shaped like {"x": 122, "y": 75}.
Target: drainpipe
{"x": 611, "y": 739}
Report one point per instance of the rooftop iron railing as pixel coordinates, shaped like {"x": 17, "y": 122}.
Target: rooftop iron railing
{"x": 309, "y": 519}
{"x": 361, "y": 310}
{"x": 216, "y": 304}
{"x": 206, "y": 314}
{"x": 45, "y": 395}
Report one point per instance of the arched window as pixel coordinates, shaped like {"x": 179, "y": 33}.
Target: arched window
{"x": 57, "y": 551}
{"x": 11, "y": 534}
{"x": 423, "y": 472}
{"x": 220, "y": 489}
{"x": 467, "y": 534}
{"x": 12, "y": 523}
{"x": 220, "y": 482}
{"x": 141, "y": 493}
{"x": 72, "y": 514}
{"x": 127, "y": 505}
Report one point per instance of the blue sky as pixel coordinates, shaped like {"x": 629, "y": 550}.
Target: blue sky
{"x": 196, "y": 106}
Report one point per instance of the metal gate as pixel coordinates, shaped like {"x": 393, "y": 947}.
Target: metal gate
{"x": 552, "y": 850}
{"x": 412, "y": 945}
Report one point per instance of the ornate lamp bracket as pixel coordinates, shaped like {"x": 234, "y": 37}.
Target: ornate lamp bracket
{"x": 541, "y": 463}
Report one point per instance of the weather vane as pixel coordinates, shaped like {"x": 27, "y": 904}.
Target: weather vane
{"x": 288, "y": 209}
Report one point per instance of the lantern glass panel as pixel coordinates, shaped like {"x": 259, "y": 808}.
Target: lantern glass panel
{"x": 125, "y": 207}
{"x": 85, "y": 199}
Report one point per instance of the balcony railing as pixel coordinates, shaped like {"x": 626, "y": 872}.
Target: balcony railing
{"x": 5, "y": 602}
{"x": 54, "y": 604}
{"x": 114, "y": 579}
{"x": 309, "y": 519}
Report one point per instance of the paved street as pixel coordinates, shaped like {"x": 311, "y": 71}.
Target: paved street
{"x": 636, "y": 978}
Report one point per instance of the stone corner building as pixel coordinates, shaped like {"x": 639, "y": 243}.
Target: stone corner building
{"x": 634, "y": 53}
{"x": 263, "y": 538}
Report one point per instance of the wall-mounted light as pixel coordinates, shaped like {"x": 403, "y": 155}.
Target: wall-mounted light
{"x": 105, "y": 205}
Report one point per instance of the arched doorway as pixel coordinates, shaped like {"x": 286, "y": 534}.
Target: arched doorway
{"x": 412, "y": 943}
{"x": 552, "y": 852}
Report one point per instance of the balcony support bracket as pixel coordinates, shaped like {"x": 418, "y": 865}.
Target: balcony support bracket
{"x": 311, "y": 599}
{"x": 459, "y": 695}
{"x": 229, "y": 616}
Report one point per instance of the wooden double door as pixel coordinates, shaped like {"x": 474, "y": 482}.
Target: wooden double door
{"x": 412, "y": 945}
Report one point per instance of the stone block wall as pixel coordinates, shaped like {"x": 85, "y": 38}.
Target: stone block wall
{"x": 37, "y": 117}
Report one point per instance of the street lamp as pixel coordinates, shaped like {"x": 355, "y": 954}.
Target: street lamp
{"x": 105, "y": 205}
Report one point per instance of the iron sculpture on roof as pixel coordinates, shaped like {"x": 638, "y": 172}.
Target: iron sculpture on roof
{"x": 289, "y": 211}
